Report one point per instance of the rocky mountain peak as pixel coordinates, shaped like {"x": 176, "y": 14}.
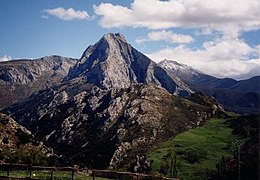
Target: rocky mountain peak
{"x": 110, "y": 37}
{"x": 113, "y": 63}
{"x": 107, "y": 44}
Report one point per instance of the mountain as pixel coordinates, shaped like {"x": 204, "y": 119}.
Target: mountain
{"x": 186, "y": 73}
{"x": 249, "y": 85}
{"x": 20, "y": 78}
{"x": 113, "y": 63}
{"x": 239, "y": 96}
{"x": 101, "y": 128}
{"x": 113, "y": 104}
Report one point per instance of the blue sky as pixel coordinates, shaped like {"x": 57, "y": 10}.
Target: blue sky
{"x": 218, "y": 37}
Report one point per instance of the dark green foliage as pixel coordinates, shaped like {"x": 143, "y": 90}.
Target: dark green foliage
{"x": 248, "y": 127}
{"x": 222, "y": 166}
{"x": 169, "y": 164}
{"x": 25, "y": 154}
{"x": 193, "y": 155}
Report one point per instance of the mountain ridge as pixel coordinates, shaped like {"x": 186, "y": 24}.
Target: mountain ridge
{"x": 113, "y": 63}
{"x": 240, "y": 96}
{"x": 220, "y": 82}
{"x": 20, "y": 78}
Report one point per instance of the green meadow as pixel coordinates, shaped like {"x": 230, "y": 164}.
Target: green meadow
{"x": 196, "y": 151}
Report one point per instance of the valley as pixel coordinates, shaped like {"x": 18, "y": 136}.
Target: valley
{"x": 114, "y": 108}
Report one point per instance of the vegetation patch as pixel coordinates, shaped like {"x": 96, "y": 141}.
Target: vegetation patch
{"x": 197, "y": 151}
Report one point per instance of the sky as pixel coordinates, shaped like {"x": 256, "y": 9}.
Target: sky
{"x": 218, "y": 37}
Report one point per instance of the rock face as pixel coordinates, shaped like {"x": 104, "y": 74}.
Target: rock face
{"x": 20, "y": 78}
{"x": 239, "y": 96}
{"x": 12, "y": 134}
{"x": 101, "y": 128}
{"x": 113, "y": 63}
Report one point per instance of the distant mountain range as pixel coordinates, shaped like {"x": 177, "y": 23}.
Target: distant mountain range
{"x": 238, "y": 96}
{"x": 20, "y": 78}
{"x": 108, "y": 106}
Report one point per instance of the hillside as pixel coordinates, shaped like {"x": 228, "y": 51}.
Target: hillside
{"x": 18, "y": 145}
{"x": 96, "y": 124}
{"x": 20, "y": 78}
{"x": 195, "y": 154}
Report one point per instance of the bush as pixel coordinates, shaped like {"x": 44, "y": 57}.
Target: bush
{"x": 26, "y": 154}
{"x": 193, "y": 155}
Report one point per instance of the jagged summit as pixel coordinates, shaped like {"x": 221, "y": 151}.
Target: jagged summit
{"x": 109, "y": 43}
{"x": 115, "y": 37}
{"x": 114, "y": 63}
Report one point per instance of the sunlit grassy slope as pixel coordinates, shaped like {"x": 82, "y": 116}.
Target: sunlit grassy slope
{"x": 197, "y": 150}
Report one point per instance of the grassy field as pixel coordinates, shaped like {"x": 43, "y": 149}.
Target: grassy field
{"x": 197, "y": 150}
{"x": 57, "y": 175}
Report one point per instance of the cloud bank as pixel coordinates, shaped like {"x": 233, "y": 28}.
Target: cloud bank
{"x": 167, "y": 36}
{"x": 224, "y": 55}
{"x": 220, "y": 58}
{"x": 230, "y": 17}
{"x": 66, "y": 14}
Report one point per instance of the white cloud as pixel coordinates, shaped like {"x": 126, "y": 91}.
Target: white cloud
{"x": 5, "y": 58}
{"x": 221, "y": 58}
{"x": 230, "y": 17}
{"x": 66, "y": 14}
{"x": 113, "y": 15}
{"x": 257, "y": 50}
{"x": 224, "y": 56}
{"x": 166, "y": 36}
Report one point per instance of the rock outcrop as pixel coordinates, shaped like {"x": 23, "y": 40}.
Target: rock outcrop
{"x": 20, "y": 78}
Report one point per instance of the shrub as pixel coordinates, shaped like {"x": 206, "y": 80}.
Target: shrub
{"x": 24, "y": 154}
{"x": 193, "y": 155}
